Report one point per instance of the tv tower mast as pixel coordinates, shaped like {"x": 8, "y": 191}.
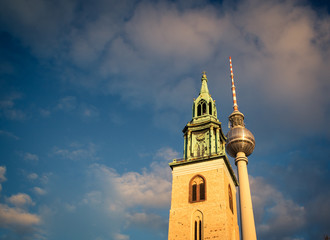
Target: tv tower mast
{"x": 239, "y": 145}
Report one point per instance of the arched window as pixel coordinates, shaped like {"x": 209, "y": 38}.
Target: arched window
{"x": 197, "y": 189}
{"x": 201, "y": 108}
{"x": 230, "y": 195}
{"x": 204, "y": 108}
{"x": 197, "y": 225}
{"x": 210, "y": 108}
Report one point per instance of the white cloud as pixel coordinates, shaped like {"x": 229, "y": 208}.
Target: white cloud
{"x": 144, "y": 189}
{"x": 93, "y": 198}
{"x": 167, "y": 154}
{"x": 91, "y": 41}
{"x": 137, "y": 197}
{"x": 20, "y": 200}
{"x": 39, "y": 191}
{"x": 8, "y": 101}
{"x": 274, "y": 44}
{"x": 278, "y": 48}
{"x": 32, "y": 176}
{"x": 9, "y": 134}
{"x": 16, "y": 217}
{"x": 45, "y": 112}
{"x": 132, "y": 189}
{"x": 116, "y": 118}
{"x": 71, "y": 104}
{"x": 8, "y": 109}
{"x": 281, "y": 55}
{"x": 45, "y": 177}
{"x": 30, "y": 157}
{"x": 2, "y": 174}
{"x": 275, "y": 214}
{"x": 77, "y": 151}
{"x": 119, "y": 236}
{"x": 67, "y": 104}
{"x": 70, "y": 207}
{"x": 143, "y": 220}
{"x": 89, "y": 111}
{"x": 38, "y": 25}
{"x": 14, "y": 114}
{"x": 165, "y": 31}
{"x": 150, "y": 189}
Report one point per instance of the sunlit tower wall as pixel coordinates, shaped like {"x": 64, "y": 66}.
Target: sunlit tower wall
{"x": 239, "y": 145}
{"x": 203, "y": 202}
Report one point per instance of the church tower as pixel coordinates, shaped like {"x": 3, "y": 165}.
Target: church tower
{"x": 203, "y": 204}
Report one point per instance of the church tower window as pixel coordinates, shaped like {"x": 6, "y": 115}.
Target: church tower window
{"x": 197, "y": 226}
{"x": 210, "y": 108}
{"x": 204, "y": 108}
{"x": 197, "y": 189}
{"x": 201, "y": 108}
{"x": 202, "y": 191}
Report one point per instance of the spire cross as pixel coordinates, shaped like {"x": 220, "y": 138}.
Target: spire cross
{"x": 233, "y": 86}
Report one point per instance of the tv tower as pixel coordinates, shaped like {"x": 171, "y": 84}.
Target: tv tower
{"x": 239, "y": 145}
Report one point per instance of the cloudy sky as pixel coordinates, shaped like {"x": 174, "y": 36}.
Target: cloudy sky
{"x": 94, "y": 96}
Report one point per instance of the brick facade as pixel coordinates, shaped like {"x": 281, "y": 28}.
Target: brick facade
{"x": 218, "y": 221}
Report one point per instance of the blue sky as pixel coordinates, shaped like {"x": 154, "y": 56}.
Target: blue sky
{"x": 94, "y": 97}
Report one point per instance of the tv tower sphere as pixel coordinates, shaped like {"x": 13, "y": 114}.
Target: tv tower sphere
{"x": 239, "y": 139}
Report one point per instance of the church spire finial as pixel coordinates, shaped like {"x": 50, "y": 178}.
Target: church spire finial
{"x": 235, "y": 106}
{"x": 204, "y": 88}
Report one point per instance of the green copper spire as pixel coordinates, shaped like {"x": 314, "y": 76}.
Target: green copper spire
{"x": 204, "y": 105}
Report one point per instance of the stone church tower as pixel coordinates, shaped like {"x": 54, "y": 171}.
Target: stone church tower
{"x": 203, "y": 204}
